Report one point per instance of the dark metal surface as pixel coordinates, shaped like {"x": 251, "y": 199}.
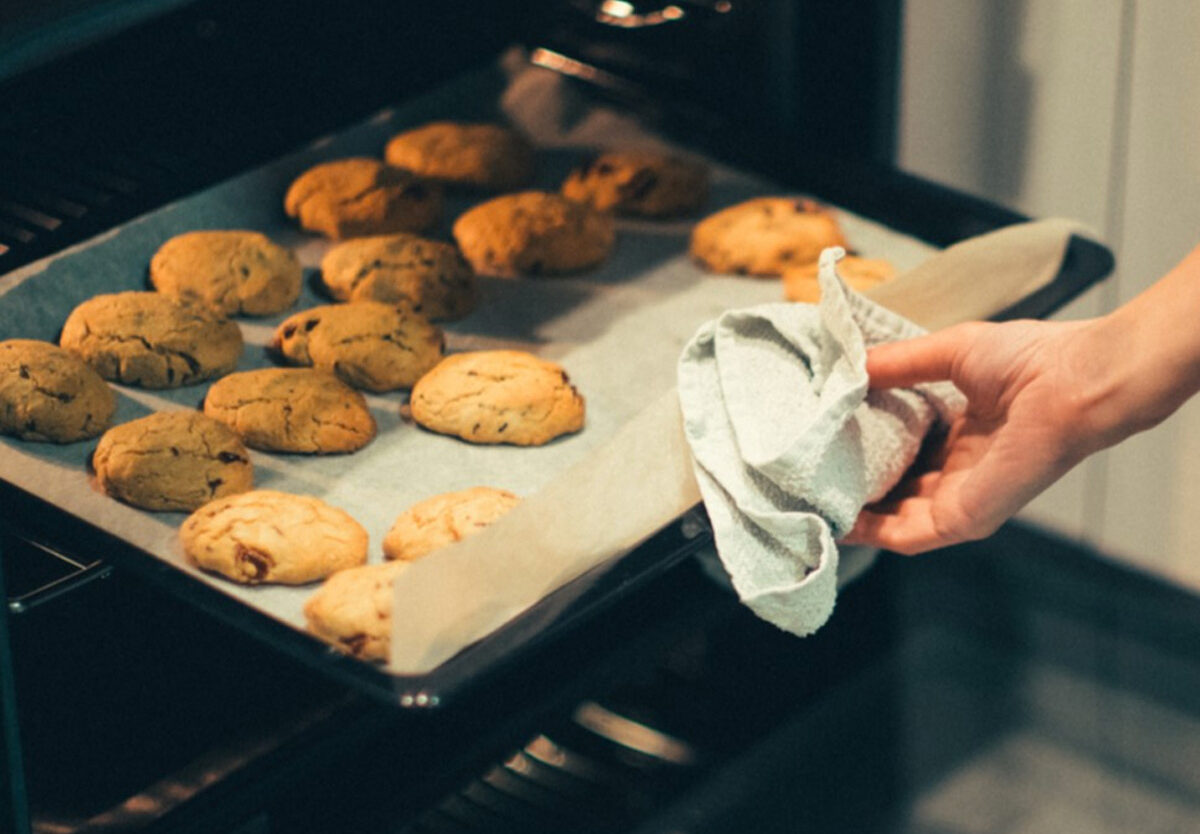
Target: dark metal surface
{"x": 14, "y": 803}
{"x": 207, "y": 90}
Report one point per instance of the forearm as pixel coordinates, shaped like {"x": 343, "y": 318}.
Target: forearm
{"x": 1146, "y": 356}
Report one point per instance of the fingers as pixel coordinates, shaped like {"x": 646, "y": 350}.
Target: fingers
{"x": 924, "y": 359}
{"x": 914, "y": 522}
{"x": 903, "y": 521}
{"x": 907, "y": 527}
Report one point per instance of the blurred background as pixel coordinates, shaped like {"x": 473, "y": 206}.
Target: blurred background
{"x": 1087, "y": 109}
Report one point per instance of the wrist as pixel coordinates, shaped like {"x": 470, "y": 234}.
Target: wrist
{"x": 1139, "y": 371}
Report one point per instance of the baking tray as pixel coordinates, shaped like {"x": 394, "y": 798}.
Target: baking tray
{"x": 649, "y": 260}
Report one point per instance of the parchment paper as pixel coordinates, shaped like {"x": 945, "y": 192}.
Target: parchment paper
{"x": 617, "y": 330}
{"x": 635, "y": 484}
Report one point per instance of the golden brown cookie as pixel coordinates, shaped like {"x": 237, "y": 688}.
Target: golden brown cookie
{"x": 533, "y": 233}
{"x": 172, "y": 460}
{"x": 498, "y": 396}
{"x": 639, "y": 183}
{"x": 292, "y": 410}
{"x": 148, "y": 339}
{"x": 800, "y": 284}
{"x": 368, "y": 344}
{"x": 430, "y": 275}
{"x": 48, "y": 394}
{"x": 483, "y": 156}
{"x": 765, "y": 236}
{"x": 268, "y": 536}
{"x": 445, "y": 519}
{"x": 352, "y": 610}
{"x": 360, "y": 196}
{"x": 231, "y": 271}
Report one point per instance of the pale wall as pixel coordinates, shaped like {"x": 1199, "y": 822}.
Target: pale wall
{"x": 1086, "y": 108}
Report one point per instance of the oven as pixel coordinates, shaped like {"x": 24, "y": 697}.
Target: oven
{"x": 991, "y": 686}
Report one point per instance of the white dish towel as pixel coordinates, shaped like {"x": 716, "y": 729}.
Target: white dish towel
{"x": 788, "y": 444}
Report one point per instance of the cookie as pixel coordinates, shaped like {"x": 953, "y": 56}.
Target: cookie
{"x": 800, "y": 284}
{"x": 498, "y": 396}
{"x": 231, "y": 271}
{"x": 172, "y": 460}
{"x": 533, "y": 233}
{"x": 150, "y": 340}
{"x": 430, "y": 275}
{"x": 484, "y": 156}
{"x": 445, "y": 519}
{"x": 352, "y": 610}
{"x": 267, "y": 536}
{"x": 359, "y": 196}
{"x": 367, "y": 344}
{"x": 49, "y": 394}
{"x": 292, "y": 410}
{"x": 639, "y": 183}
{"x": 765, "y": 236}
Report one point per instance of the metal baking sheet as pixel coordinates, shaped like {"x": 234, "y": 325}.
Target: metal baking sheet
{"x": 618, "y": 331}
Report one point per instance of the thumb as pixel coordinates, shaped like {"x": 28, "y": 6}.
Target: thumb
{"x": 926, "y": 358}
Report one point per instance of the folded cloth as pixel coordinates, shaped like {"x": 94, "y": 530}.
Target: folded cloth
{"x": 788, "y": 444}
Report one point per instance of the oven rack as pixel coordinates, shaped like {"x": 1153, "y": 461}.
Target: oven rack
{"x": 82, "y": 153}
{"x": 38, "y": 573}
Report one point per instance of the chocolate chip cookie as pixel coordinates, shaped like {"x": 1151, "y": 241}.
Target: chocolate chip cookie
{"x": 533, "y": 233}
{"x": 430, "y": 275}
{"x": 639, "y": 183}
{"x": 498, "y": 396}
{"x": 267, "y": 536}
{"x": 172, "y": 460}
{"x": 445, "y": 519}
{"x": 150, "y": 340}
{"x": 800, "y": 283}
{"x": 765, "y": 236}
{"x": 484, "y": 156}
{"x": 231, "y": 271}
{"x": 352, "y": 610}
{"x": 359, "y": 196}
{"x": 292, "y": 410}
{"x": 48, "y": 394}
{"x": 367, "y": 344}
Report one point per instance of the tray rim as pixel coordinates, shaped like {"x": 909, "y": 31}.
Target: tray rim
{"x": 876, "y": 192}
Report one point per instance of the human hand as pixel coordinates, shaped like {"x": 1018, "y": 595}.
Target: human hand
{"x": 1031, "y": 390}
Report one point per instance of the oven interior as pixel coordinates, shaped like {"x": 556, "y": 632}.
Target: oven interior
{"x": 1019, "y": 684}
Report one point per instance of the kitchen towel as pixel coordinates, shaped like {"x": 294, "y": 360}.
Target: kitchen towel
{"x": 788, "y": 443}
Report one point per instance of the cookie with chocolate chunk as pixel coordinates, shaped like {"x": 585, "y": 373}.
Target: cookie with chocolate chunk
{"x": 498, "y": 396}
{"x": 430, "y": 275}
{"x": 445, "y": 519}
{"x": 359, "y": 196}
{"x": 265, "y": 536}
{"x": 292, "y": 410}
{"x": 765, "y": 236}
{"x": 150, "y": 340}
{"x": 533, "y": 233}
{"x": 485, "y": 156}
{"x": 639, "y": 183}
{"x": 861, "y": 274}
{"x": 49, "y": 394}
{"x": 231, "y": 271}
{"x": 352, "y": 610}
{"x": 172, "y": 460}
{"x": 367, "y": 344}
